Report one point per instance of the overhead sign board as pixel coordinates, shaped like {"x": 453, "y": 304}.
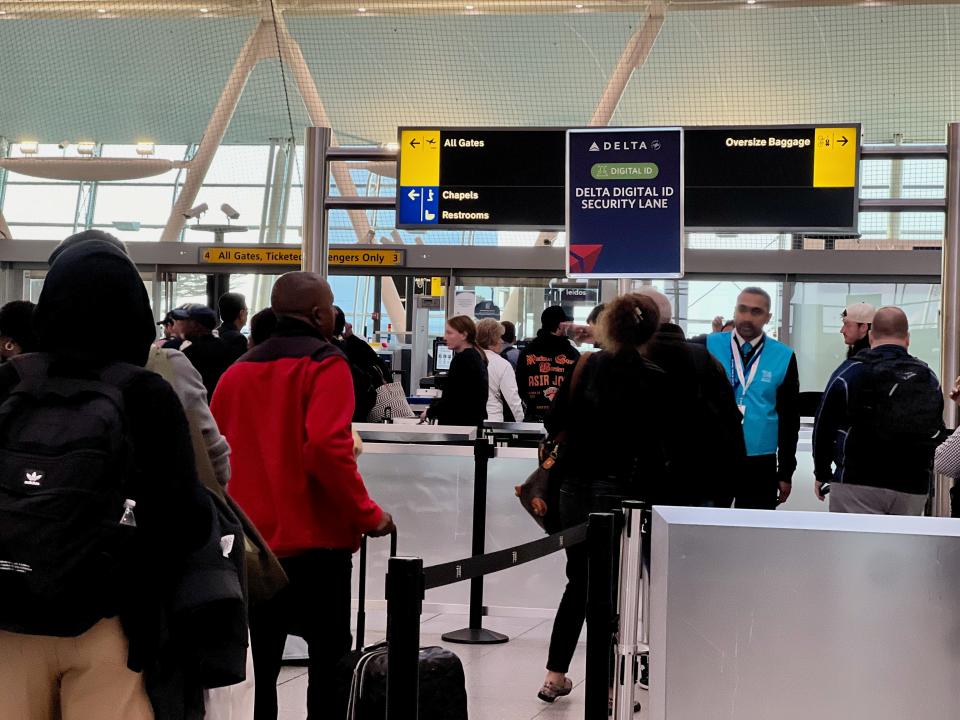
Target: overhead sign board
{"x": 773, "y": 179}
{"x": 738, "y": 179}
{"x": 480, "y": 178}
{"x": 625, "y": 203}
{"x": 292, "y": 256}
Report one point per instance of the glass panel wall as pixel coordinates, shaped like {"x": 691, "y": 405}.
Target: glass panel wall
{"x": 522, "y": 300}
{"x": 815, "y": 310}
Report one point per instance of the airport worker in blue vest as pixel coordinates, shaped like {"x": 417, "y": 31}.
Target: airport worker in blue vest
{"x": 766, "y": 384}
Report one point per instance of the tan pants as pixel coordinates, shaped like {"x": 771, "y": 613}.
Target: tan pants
{"x": 81, "y": 678}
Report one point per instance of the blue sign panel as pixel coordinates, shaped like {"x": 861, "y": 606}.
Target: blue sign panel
{"x": 625, "y": 203}
{"x": 419, "y": 205}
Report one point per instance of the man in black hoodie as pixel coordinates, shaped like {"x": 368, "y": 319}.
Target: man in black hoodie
{"x": 700, "y": 387}
{"x": 545, "y": 364}
{"x": 208, "y": 353}
{"x": 96, "y": 671}
{"x": 233, "y": 316}
{"x": 368, "y": 370}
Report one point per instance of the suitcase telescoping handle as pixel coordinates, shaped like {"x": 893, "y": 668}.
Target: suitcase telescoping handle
{"x": 362, "y": 589}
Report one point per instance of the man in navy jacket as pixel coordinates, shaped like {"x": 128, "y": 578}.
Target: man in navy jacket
{"x": 879, "y": 422}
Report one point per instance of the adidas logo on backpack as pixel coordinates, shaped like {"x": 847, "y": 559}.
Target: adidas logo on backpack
{"x": 61, "y": 541}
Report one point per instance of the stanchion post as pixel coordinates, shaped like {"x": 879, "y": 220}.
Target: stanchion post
{"x": 405, "y": 592}
{"x": 475, "y": 634}
{"x": 601, "y": 613}
{"x": 626, "y": 658}
{"x": 644, "y": 635}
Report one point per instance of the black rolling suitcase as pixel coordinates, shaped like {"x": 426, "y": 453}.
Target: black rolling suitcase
{"x": 362, "y": 673}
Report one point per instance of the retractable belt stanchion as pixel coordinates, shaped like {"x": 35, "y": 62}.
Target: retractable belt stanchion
{"x": 627, "y": 655}
{"x": 601, "y": 612}
{"x": 405, "y": 592}
{"x": 476, "y": 634}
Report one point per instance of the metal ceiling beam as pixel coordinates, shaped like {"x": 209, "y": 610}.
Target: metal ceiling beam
{"x": 124, "y": 9}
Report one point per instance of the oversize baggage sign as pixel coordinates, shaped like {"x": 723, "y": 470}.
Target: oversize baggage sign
{"x": 625, "y": 203}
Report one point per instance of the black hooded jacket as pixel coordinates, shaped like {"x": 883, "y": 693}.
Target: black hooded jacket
{"x": 97, "y": 278}
{"x": 701, "y": 392}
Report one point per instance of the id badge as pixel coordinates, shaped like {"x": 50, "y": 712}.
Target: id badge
{"x": 743, "y": 411}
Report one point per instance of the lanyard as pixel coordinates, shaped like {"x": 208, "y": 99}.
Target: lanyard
{"x": 754, "y": 362}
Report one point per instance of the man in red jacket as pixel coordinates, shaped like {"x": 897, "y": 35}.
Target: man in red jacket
{"x": 286, "y": 409}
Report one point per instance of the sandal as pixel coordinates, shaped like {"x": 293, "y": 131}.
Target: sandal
{"x": 551, "y": 691}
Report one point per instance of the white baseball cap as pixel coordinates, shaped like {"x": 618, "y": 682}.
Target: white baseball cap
{"x": 860, "y": 312}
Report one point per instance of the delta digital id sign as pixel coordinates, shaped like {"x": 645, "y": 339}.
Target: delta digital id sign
{"x": 481, "y": 178}
{"x": 772, "y": 179}
{"x": 625, "y": 203}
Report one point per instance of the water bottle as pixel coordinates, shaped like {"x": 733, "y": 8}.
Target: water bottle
{"x": 128, "y": 519}
{"x": 388, "y": 415}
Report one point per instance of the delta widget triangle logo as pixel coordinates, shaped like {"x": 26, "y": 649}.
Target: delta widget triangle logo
{"x": 583, "y": 258}
{"x": 594, "y": 147}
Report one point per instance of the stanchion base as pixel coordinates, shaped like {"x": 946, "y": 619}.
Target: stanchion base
{"x": 475, "y": 636}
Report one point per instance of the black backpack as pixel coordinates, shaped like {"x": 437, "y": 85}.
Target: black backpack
{"x": 898, "y": 401}
{"x": 65, "y": 459}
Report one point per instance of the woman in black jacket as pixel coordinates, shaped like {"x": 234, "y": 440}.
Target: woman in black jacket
{"x": 621, "y": 428}
{"x": 464, "y": 400}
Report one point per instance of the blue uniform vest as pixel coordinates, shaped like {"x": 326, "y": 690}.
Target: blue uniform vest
{"x": 761, "y": 422}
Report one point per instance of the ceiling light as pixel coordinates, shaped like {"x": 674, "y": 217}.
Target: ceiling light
{"x": 468, "y": 7}
{"x": 29, "y": 147}
{"x": 101, "y": 10}
{"x": 146, "y": 148}
{"x": 751, "y": 2}
{"x": 578, "y": 7}
{"x": 204, "y": 10}
{"x": 392, "y": 146}
{"x": 86, "y": 148}
{"x": 3, "y": 12}
{"x": 361, "y": 10}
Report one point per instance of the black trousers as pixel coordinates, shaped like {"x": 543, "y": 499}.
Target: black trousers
{"x": 757, "y": 487}
{"x": 572, "y": 610}
{"x": 315, "y": 606}
{"x": 575, "y": 507}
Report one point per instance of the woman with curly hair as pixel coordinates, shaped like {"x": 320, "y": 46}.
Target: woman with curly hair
{"x": 620, "y": 429}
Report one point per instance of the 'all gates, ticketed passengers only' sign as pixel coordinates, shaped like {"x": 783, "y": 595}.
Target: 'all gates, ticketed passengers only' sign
{"x": 625, "y": 203}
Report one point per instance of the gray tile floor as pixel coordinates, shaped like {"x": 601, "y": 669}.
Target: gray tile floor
{"x": 502, "y": 680}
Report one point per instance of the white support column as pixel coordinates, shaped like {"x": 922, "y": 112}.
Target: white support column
{"x": 257, "y": 48}
{"x": 293, "y": 60}
{"x": 634, "y": 56}
{"x": 950, "y": 305}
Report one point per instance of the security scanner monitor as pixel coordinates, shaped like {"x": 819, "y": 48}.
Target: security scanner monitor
{"x": 442, "y": 357}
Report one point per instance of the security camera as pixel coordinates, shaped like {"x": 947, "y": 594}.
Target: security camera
{"x": 197, "y": 211}
{"x": 229, "y": 212}
{"x": 64, "y": 144}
